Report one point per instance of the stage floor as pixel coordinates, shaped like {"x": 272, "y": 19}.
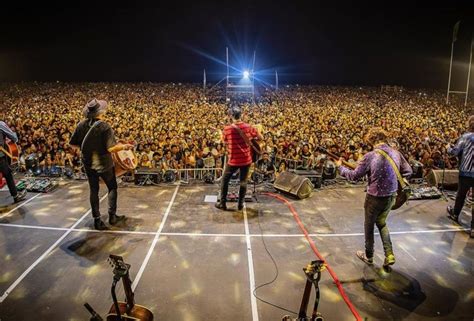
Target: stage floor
{"x": 193, "y": 262}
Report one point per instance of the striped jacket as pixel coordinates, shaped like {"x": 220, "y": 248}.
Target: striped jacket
{"x": 464, "y": 150}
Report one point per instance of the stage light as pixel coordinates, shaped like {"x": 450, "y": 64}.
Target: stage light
{"x": 246, "y": 74}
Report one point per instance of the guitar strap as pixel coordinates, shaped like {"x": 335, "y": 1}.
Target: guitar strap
{"x": 87, "y": 134}
{"x": 394, "y": 166}
{"x": 245, "y": 138}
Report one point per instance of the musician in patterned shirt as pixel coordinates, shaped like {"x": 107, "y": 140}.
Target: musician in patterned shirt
{"x": 464, "y": 150}
{"x": 381, "y": 191}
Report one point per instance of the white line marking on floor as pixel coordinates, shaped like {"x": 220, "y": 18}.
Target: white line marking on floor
{"x": 253, "y": 300}
{"x": 431, "y": 231}
{"x": 20, "y": 205}
{"x": 220, "y": 234}
{"x": 46, "y": 253}
{"x": 155, "y": 240}
{"x": 202, "y": 234}
{"x": 405, "y": 250}
{"x": 36, "y": 227}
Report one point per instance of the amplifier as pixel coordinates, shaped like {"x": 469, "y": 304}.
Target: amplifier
{"x": 448, "y": 178}
{"x": 147, "y": 177}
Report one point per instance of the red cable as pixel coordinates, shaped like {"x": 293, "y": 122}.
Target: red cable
{"x": 315, "y": 250}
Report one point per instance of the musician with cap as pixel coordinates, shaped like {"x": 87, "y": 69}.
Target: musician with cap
{"x": 235, "y": 136}
{"x": 6, "y": 132}
{"x": 96, "y": 140}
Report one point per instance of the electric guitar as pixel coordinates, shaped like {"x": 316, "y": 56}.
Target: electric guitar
{"x": 403, "y": 191}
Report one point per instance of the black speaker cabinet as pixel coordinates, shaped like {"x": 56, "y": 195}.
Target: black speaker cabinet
{"x": 293, "y": 184}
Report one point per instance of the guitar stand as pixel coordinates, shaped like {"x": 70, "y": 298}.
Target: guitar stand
{"x": 314, "y": 268}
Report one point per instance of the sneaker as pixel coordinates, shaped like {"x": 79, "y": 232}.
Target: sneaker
{"x": 389, "y": 260}
{"x": 451, "y": 214}
{"x": 240, "y": 207}
{"x": 367, "y": 260}
{"x": 20, "y": 196}
{"x": 114, "y": 219}
{"x": 99, "y": 225}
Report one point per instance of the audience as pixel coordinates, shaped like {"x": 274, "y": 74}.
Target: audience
{"x": 177, "y": 126}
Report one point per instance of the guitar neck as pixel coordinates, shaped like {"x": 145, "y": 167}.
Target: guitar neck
{"x": 127, "y": 286}
{"x": 336, "y": 157}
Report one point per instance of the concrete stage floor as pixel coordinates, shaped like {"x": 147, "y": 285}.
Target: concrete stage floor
{"x": 192, "y": 262}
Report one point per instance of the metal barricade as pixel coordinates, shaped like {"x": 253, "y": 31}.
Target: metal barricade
{"x": 206, "y": 174}
{"x": 292, "y": 163}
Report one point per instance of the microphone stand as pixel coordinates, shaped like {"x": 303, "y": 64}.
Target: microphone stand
{"x": 442, "y": 180}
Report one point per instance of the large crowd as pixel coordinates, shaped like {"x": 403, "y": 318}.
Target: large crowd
{"x": 176, "y": 126}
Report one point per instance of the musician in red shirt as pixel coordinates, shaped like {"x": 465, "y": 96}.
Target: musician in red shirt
{"x": 239, "y": 156}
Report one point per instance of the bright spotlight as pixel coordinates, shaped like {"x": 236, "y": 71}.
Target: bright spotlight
{"x": 246, "y": 74}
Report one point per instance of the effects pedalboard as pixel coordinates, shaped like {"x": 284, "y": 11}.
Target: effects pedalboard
{"x": 428, "y": 192}
{"x": 37, "y": 185}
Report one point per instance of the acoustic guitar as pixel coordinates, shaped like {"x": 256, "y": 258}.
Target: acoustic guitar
{"x": 256, "y": 148}
{"x": 125, "y": 311}
{"x": 122, "y": 311}
{"x": 12, "y": 151}
{"x": 403, "y": 191}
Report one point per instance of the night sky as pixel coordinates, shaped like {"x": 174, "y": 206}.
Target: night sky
{"x": 307, "y": 43}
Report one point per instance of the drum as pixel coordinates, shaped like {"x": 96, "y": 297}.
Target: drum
{"x": 169, "y": 176}
{"x": 125, "y": 161}
{"x": 257, "y": 178}
{"x": 208, "y": 178}
{"x": 32, "y": 164}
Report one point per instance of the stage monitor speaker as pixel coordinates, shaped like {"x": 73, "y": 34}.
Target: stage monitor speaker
{"x": 450, "y": 182}
{"x": 293, "y": 184}
{"x": 314, "y": 177}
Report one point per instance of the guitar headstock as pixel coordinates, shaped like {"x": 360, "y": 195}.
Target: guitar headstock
{"x": 120, "y": 267}
{"x": 315, "y": 267}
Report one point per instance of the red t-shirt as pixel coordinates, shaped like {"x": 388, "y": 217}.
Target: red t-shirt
{"x": 239, "y": 151}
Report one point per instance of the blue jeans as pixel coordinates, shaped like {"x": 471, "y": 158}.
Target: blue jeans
{"x": 376, "y": 212}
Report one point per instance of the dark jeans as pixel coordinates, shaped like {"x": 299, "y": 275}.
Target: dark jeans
{"x": 111, "y": 183}
{"x": 7, "y": 173}
{"x": 465, "y": 183}
{"x": 227, "y": 175}
{"x": 376, "y": 212}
